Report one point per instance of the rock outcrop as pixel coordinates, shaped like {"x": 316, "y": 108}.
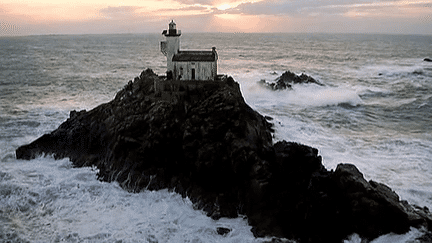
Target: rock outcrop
{"x": 206, "y": 143}
{"x": 287, "y": 79}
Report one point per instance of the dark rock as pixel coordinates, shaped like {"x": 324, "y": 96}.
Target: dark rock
{"x": 275, "y": 85}
{"x": 268, "y": 118}
{"x": 287, "y": 79}
{"x": 207, "y": 144}
{"x": 372, "y": 207}
{"x": 427, "y": 60}
{"x": 223, "y": 231}
{"x": 418, "y": 72}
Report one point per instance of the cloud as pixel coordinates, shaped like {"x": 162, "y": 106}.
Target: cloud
{"x": 136, "y": 12}
{"x": 293, "y": 8}
{"x": 196, "y": 2}
{"x": 192, "y": 8}
{"x": 389, "y": 9}
{"x": 121, "y": 11}
{"x": 412, "y": 16}
{"x": 334, "y": 7}
{"x": 120, "y": 14}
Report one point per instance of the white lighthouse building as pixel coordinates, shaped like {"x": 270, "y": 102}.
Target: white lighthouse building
{"x": 187, "y": 65}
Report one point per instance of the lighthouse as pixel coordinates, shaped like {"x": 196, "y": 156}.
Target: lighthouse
{"x": 186, "y": 64}
{"x": 171, "y": 45}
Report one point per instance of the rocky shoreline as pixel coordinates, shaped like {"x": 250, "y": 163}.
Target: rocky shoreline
{"x": 206, "y": 143}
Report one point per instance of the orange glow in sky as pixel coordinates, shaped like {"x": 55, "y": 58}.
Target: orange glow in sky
{"x": 95, "y": 16}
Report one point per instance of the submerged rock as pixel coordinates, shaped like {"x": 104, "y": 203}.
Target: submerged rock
{"x": 287, "y": 79}
{"x": 203, "y": 141}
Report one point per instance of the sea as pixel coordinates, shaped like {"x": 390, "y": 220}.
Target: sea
{"x": 374, "y": 111}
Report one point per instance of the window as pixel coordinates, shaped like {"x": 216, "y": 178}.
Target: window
{"x": 193, "y": 74}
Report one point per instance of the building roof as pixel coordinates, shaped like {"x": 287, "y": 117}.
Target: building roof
{"x": 195, "y": 56}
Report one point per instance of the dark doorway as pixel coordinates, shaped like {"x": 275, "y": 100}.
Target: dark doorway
{"x": 193, "y": 73}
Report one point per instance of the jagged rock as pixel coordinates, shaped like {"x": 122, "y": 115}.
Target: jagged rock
{"x": 287, "y": 79}
{"x": 223, "y": 231}
{"x": 372, "y": 207}
{"x": 206, "y": 143}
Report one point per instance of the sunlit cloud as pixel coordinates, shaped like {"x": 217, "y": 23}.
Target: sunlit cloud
{"x": 186, "y": 10}
{"x": 224, "y": 6}
{"x": 233, "y": 4}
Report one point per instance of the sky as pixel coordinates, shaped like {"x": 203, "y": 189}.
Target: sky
{"x": 41, "y": 17}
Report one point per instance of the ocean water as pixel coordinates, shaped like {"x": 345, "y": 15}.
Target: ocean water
{"x": 375, "y": 111}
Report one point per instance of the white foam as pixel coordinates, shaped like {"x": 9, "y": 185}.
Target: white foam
{"x": 301, "y": 94}
{"x": 360, "y": 89}
{"x": 314, "y": 95}
{"x": 388, "y": 238}
{"x": 52, "y": 201}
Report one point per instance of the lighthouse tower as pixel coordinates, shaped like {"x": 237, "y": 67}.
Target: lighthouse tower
{"x": 171, "y": 45}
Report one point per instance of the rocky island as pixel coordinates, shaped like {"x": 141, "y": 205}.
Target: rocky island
{"x": 204, "y": 142}
{"x": 287, "y": 79}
